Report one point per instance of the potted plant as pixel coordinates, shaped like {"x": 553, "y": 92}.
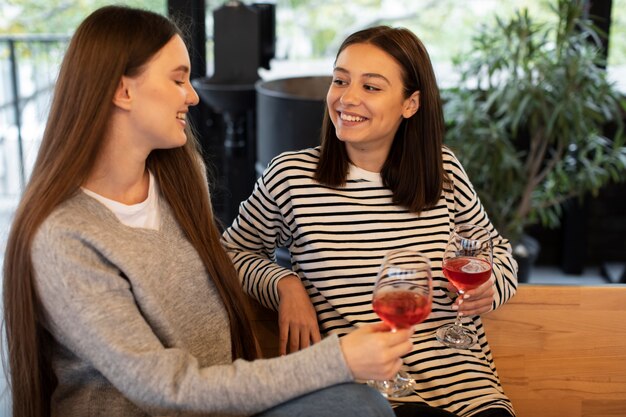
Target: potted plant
{"x": 528, "y": 117}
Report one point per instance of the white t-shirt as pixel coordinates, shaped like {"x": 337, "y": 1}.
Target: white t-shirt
{"x": 144, "y": 215}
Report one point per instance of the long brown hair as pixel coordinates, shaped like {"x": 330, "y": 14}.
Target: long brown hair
{"x": 413, "y": 170}
{"x": 111, "y": 42}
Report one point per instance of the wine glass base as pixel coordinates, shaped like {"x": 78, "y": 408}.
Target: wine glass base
{"x": 457, "y": 337}
{"x": 400, "y": 386}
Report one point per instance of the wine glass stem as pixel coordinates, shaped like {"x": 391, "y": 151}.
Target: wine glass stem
{"x": 457, "y": 320}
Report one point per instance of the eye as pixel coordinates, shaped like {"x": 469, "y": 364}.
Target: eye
{"x": 179, "y": 82}
{"x": 370, "y": 88}
{"x": 339, "y": 82}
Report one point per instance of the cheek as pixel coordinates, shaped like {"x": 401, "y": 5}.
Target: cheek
{"x": 392, "y": 111}
{"x": 330, "y": 98}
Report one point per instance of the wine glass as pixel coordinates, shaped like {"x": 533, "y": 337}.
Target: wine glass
{"x": 402, "y": 298}
{"x": 467, "y": 263}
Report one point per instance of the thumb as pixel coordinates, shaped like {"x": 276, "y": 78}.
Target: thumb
{"x": 377, "y": 327}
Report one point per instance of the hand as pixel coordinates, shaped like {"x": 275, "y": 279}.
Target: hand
{"x": 297, "y": 319}
{"x": 476, "y": 301}
{"x": 373, "y": 352}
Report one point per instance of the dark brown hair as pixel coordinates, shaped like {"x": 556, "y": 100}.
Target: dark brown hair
{"x": 111, "y": 42}
{"x": 413, "y": 170}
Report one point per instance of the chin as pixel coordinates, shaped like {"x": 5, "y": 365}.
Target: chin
{"x": 174, "y": 145}
{"x": 348, "y": 139}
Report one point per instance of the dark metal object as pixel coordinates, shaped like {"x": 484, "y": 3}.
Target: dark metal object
{"x": 244, "y": 40}
{"x": 290, "y": 113}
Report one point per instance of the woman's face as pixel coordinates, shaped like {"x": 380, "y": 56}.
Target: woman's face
{"x": 160, "y": 98}
{"x": 366, "y": 100}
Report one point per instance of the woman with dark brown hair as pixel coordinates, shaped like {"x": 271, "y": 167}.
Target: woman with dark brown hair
{"x": 381, "y": 180}
{"x": 119, "y": 299}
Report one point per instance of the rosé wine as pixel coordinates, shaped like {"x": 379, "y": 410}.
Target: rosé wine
{"x": 465, "y": 272}
{"x": 402, "y": 309}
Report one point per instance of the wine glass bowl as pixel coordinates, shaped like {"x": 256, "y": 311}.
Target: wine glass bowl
{"x": 467, "y": 264}
{"x": 402, "y": 298}
{"x": 401, "y": 308}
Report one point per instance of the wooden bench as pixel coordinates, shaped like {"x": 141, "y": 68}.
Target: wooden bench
{"x": 560, "y": 351}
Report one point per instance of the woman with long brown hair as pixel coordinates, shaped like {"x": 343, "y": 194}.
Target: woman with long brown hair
{"x": 118, "y": 297}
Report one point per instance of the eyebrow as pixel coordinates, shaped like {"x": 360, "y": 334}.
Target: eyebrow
{"x": 366, "y": 75}
{"x": 183, "y": 68}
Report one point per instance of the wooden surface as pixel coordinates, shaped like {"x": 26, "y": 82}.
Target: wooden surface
{"x": 560, "y": 351}
{"x": 265, "y": 325}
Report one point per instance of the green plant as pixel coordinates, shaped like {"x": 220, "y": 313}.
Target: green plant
{"x": 528, "y": 117}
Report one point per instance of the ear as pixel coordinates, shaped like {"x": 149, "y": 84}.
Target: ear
{"x": 122, "y": 97}
{"x": 411, "y": 105}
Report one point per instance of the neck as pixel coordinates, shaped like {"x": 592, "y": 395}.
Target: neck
{"x": 120, "y": 172}
{"x": 368, "y": 158}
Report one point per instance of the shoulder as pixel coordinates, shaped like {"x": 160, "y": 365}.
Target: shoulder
{"x": 452, "y": 166}
{"x": 301, "y": 163}
{"x": 450, "y": 159}
{"x": 72, "y": 219}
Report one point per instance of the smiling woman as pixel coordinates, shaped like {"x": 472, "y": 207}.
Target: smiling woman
{"x": 381, "y": 180}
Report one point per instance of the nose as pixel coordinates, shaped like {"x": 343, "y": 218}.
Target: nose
{"x": 192, "y": 96}
{"x": 350, "y": 95}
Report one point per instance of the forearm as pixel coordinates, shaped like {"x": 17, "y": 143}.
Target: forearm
{"x": 505, "y": 273}
{"x": 251, "y": 242}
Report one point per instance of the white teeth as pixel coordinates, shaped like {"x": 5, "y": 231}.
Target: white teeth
{"x": 181, "y": 116}
{"x": 349, "y": 118}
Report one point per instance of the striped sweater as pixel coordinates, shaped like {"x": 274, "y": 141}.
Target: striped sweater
{"x": 337, "y": 238}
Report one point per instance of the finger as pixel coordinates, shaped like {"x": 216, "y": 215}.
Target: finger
{"x": 283, "y": 338}
{"x": 486, "y": 296}
{"x": 480, "y": 293}
{"x": 398, "y": 338}
{"x": 451, "y": 291}
{"x": 393, "y": 369}
{"x": 377, "y": 327}
{"x": 294, "y": 339}
{"x": 474, "y": 306}
{"x": 400, "y": 349}
{"x": 315, "y": 335}
{"x": 305, "y": 339}
{"x": 477, "y": 308}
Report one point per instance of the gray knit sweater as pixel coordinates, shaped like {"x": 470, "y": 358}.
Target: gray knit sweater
{"x": 140, "y": 330}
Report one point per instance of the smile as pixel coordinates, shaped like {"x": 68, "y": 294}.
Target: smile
{"x": 181, "y": 116}
{"x": 350, "y": 118}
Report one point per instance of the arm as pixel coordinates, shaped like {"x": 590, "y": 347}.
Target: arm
{"x": 90, "y": 309}
{"x": 503, "y": 282}
{"x": 297, "y": 319}
{"x": 251, "y": 242}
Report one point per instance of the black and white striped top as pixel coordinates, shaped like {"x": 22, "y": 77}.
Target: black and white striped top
{"x": 337, "y": 238}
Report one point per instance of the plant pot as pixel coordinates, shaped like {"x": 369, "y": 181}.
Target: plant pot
{"x": 525, "y": 252}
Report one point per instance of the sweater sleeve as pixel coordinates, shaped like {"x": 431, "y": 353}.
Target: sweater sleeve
{"x": 89, "y": 308}
{"x": 252, "y": 240}
{"x": 470, "y": 210}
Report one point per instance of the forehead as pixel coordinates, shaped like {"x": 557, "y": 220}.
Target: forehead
{"x": 172, "y": 55}
{"x": 368, "y": 59}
